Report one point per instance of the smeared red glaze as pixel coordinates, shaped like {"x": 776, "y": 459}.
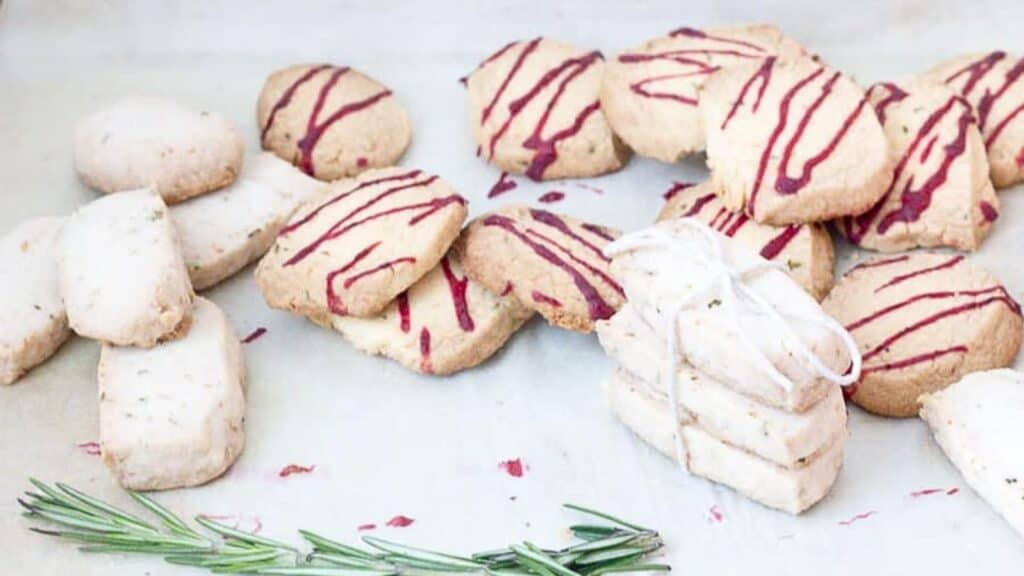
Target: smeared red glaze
{"x": 900, "y": 278}
{"x": 857, "y": 518}
{"x": 509, "y": 287}
{"x": 254, "y": 335}
{"x": 424, "y": 353}
{"x": 513, "y": 468}
{"x": 457, "y": 286}
{"x": 893, "y": 94}
{"x": 764, "y": 74}
{"x": 676, "y": 188}
{"x": 504, "y": 184}
{"x": 362, "y": 162}
{"x": 988, "y": 211}
{"x": 541, "y": 298}
{"x": 1020, "y": 158}
{"x": 715, "y": 515}
{"x": 931, "y": 491}
{"x": 91, "y": 448}
{"x": 551, "y": 197}
{"x": 593, "y": 189}
{"x": 400, "y": 521}
{"x": 365, "y": 527}
{"x": 295, "y": 469}
{"x": 402, "y": 303}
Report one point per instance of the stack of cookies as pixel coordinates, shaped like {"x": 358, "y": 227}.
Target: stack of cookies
{"x": 727, "y": 364}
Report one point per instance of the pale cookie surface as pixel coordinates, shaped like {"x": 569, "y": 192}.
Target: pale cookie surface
{"x": 138, "y": 142}
{"x": 32, "y": 315}
{"x": 657, "y": 84}
{"x": 331, "y": 121}
{"x": 940, "y": 194}
{"x": 442, "y": 324}
{"x": 534, "y": 110}
{"x": 361, "y": 243}
{"x": 978, "y": 424}
{"x": 805, "y": 249}
{"x": 793, "y": 141}
{"x": 551, "y": 263}
{"x": 790, "y": 489}
{"x": 173, "y": 416}
{"x": 223, "y": 231}
{"x": 994, "y": 84}
{"x": 922, "y": 321}
{"x": 122, "y": 276}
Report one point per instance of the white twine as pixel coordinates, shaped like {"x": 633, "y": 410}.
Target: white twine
{"x": 728, "y": 283}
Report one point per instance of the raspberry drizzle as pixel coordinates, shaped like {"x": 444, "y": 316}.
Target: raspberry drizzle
{"x": 967, "y": 78}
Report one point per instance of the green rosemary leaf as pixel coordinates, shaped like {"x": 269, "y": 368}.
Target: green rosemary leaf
{"x": 612, "y": 554}
{"x": 604, "y": 516}
{"x": 322, "y": 544}
{"x": 170, "y": 520}
{"x": 632, "y": 568}
{"x": 603, "y": 543}
{"x": 350, "y": 562}
{"x": 592, "y": 532}
{"x": 320, "y": 571}
{"x": 53, "y": 494}
{"x": 535, "y": 555}
{"x": 77, "y": 521}
{"x": 419, "y": 554}
{"x": 228, "y": 531}
{"x": 102, "y": 508}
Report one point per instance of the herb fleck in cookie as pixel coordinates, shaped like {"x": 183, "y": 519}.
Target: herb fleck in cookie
{"x": 940, "y": 194}
{"x": 656, "y": 85}
{"x": 805, "y": 249}
{"x": 442, "y": 324}
{"x": 138, "y": 142}
{"x": 534, "y": 110}
{"x": 922, "y": 321}
{"x": 331, "y": 121}
{"x": 361, "y": 243}
{"x": 551, "y": 263}
{"x": 793, "y": 141}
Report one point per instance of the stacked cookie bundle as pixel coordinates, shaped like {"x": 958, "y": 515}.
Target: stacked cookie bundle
{"x": 726, "y": 364}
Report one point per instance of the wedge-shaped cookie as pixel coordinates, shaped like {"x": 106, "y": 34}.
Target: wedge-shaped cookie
{"x": 977, "y": 422}
{"x": 657, "y": 84}
{"x": 785, "y": 438}
{"x": 223, "y": 231}
{"x": 331, "y": 121}
{"x": 791, "y": 489}
{"x": 442, "y": 324}
{"x": 994, "y": 84}
{"x": 550, "y": 262}
{"x": 805, "y": 249}
{"x": 32, "y": 315}
{"x": 793, "y": 141}
{"x": 137, "y": 142}
{"x": 534, "y": 110}
{"x": 922, "y": 321}
{"x": 122, "y": 276}
{"x": 940, "y": 194}
{"x": 173, "y": 416}
{"x": 361, "y": 243}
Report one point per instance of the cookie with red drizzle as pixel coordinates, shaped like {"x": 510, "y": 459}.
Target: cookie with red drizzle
{"x": 331, "y": 121}
{"x": 656, "y": 84}
{"x": 994, "y": 84}
{"x": 922, "y": 321}
{"x": 534, "y": 110}
{"x": 552, "y": 263}
{"x": 442, "y": 324}
{"x": 363, "y": 242}
{"x": 940, "y": 194}
{"x": 805, "y": 249}
{"x": 791, "y": 142}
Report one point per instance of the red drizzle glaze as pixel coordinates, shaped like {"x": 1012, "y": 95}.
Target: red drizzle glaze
{"x": 513, "y": 468}
{"x": 552, "y": 220}
{"x": 509, "y": 287}
{"x": 715, "y": 515}
{"x": 974, "y": 73}
{"x": 551, "y": 197}
{"x": 930, "y": 491}
{"x": 295, "y": 469}
{"x": 542, "y": 298}
{"x": 286, "y": 97}
{"x": 424, "y": 354}
{"x": 904, "y": 277}
{"x": 880, "y": 263}
{"x": 378, "y": 268}
{"x": 893, "y": 94}
{"x": 764, "y": 74}
{"x": 858, "y": 517}
{"x": 457, "y": 286}
{"x": 504, "y": 184}
{"x": 599, "y": 231}
{"x": 339, "y": 197}
{"x": 365, "y": 527}
{"x": 92, "y": 448}
{"x": 776, "y": 245}
{"x": 400, "y": 521}
{"x": 988, "y": 211}
{"x": 402, "y": 303}
{"x": 676, "y": 188}
{"x": 254, "y": 335}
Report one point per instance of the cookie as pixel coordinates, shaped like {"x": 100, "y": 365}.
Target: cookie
{"x": 940, "y": 194}
{"x": 31, "y": 312}
{"x": 442, "y": 324}
{"x": 122, "y": 276}
{"x": 551, "y": 263}
{"x": 978, "y": 425}
{"x": 790, "y": 489}
{"x": 791, "y": 142}
{"x": 224, "y": 231}
{"x": 173, "y": 416}
{"x": 657, "y": 84}
{"x": 331, "y": 121}
{"x": 923, "y": 321}
{"x": 534, "y": 110}
{"x": 994, "y": 84}
{"x": 138, "y": 142}
{"x": 805, "y": 249}
{"x": 362, "y": 243}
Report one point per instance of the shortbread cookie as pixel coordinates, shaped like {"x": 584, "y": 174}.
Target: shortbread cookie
{"x": 534, "y": 110}
{"x": 793, "y": 141}
{"x": 551, "y": 263}
{"x": 994, "y": 84}
{"x": 331, "y": 121}
{"x": 139, "y": 142}
{"x": 940, "y": 194}
{"x": 805, "y": 249}
{"x": 978, "y": 424}
{"x": 922, "y": 321}
{"x": 361, "y": 243}
{"x": 791, "y": 489}
{"x": 32, "y": 316}
{"x": 122, "y": 276}
{"x": 442, "y": 324}
{"x": 656, "y": 85}
{"x": 173, "y": 416}
{"x": 222, "y": 232}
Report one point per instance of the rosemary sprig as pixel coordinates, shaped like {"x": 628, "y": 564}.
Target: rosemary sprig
{"x": 102, "y": 528}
